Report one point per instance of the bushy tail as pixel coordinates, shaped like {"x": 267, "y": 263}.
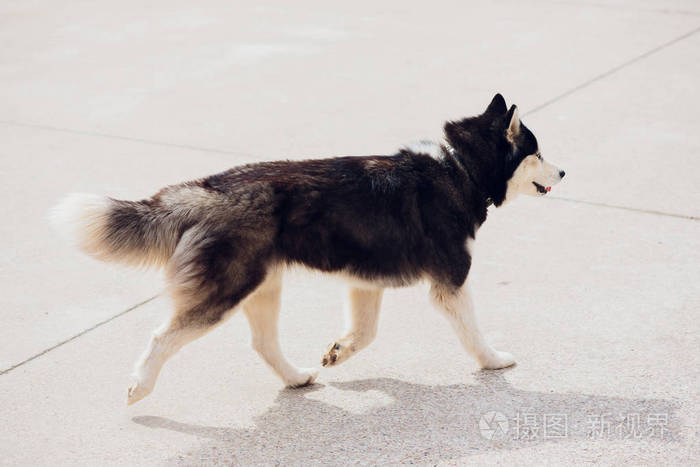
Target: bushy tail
{"x": 132, "y": 232}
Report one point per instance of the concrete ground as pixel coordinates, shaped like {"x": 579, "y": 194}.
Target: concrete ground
{"x": 594, "y": 289}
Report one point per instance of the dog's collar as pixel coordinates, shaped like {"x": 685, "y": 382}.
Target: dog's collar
{"x": 455, "y": 156}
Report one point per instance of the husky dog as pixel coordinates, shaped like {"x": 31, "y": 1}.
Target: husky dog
{"x": 378, "y": 221}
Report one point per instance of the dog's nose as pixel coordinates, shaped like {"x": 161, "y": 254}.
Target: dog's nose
{"x": 561, "y": 174}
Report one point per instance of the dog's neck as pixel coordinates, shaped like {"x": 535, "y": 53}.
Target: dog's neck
{"x": 459, "y": 158}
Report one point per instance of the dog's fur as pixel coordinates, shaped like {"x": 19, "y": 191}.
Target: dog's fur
{"x": 378, "y": 221}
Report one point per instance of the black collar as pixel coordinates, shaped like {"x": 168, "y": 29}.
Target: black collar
{"x": 455, "y": 155}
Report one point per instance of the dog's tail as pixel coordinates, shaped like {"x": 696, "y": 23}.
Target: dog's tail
{"x": 140, "y": 233}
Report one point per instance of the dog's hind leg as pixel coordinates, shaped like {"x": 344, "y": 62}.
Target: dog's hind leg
{"x": 458, "y": 308}
{"x": 262, "y": 310}
{"x": 363, "y": 310}
{"x": 164, "y": 343}
{"x": 208, "y": 277}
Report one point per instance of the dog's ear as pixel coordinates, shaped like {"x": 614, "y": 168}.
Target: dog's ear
{"x": 453, "y": 131}
{"x": 497, "y": 106}
{"x": 458, "y": 135}
{"x": 513, "y": 122}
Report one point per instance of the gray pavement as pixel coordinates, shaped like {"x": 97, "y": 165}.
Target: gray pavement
{"x": 593, "y": 289}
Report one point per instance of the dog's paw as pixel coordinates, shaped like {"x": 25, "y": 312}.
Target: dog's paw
{"x": 334, "y": 355}
{"x": 137, "y": 391}
{"x": 498, "y": 360}
{"x": 305, "y": 377}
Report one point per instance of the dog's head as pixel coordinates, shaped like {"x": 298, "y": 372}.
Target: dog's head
{"x": 501, "y": 154}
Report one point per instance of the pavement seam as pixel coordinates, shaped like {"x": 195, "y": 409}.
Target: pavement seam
{"x": 124, "y": 138}
{"x": 625, "y": 208}
{"x": 545, "y": 104}
{"x": 612, "y": 71}
{"x": 241, "y": 154}
{"x": 606, "y": 6}
{"x": 81, "y": 333}
{"x": 132, "y": 308}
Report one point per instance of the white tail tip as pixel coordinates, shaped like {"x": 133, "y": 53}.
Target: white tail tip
{"x": 80, "y": 218}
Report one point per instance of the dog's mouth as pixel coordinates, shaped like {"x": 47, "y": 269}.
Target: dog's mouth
{"x": 542, "y": 189}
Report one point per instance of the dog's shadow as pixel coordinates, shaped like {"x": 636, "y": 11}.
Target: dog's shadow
{"x": 386, "y": 420}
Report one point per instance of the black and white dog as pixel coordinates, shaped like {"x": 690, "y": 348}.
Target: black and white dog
{"x": 377, "y": 221}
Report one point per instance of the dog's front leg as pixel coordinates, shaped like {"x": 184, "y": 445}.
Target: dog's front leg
{"x": 457, "y": 306}
{"x": 363, "y": 309}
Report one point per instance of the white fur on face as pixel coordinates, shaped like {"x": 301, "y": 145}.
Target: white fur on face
{"x": 532, "y": 169}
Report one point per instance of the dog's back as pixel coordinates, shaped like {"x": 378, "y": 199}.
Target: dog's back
{"x": 375, "y": 217}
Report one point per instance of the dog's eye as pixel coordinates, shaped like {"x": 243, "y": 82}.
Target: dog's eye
{"x": 539, "y": 156}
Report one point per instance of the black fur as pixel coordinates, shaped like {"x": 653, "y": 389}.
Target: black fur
{"x": 390, "y": 218}
{"x": 485, "y": 152}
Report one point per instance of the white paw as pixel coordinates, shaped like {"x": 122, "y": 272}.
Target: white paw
{"x": 137, "y": 391}
{"x": 497, "y": 360}
{"x": 305, "y": 377}
{"x": 334, "y": 355}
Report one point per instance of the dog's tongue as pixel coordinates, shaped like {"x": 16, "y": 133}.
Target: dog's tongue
{"x": 549, "y": 188}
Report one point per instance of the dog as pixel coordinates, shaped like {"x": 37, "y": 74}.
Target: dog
{"x": 375, "y": 221}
